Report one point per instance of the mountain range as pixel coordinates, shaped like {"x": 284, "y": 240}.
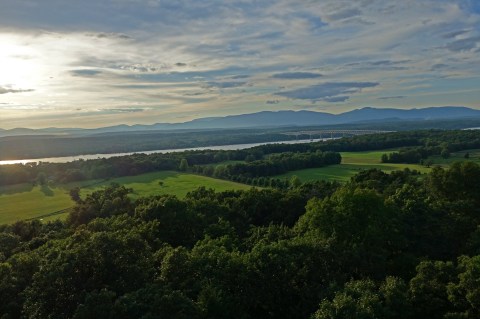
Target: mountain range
{"x": 266, "y": 119}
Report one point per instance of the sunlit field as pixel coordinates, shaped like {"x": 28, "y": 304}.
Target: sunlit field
{"x": 24, "y": 201}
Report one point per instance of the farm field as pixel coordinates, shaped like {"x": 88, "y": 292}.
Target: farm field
{"x": 473, "y": 155}
{"x": 167, "y": 182}
{"x": 352, "y": 163}
{"x": 24, "y": 201}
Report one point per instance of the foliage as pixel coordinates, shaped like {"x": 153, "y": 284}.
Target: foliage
{"x": 381, "y": 246}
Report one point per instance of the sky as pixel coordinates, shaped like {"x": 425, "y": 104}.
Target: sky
{"x": 94, "y": 63}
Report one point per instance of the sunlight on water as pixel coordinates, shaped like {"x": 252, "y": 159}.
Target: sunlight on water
{"x": 66, "y": 159}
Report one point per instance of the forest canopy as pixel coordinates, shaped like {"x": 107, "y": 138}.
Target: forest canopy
{"x": 381, "y": 246}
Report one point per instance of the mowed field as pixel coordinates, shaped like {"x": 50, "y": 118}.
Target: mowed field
{"x": 24, "y": 201}
{"x": 352, "y": 163}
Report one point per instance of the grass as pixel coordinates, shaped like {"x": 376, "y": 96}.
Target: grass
{"x": 457, "y": 156}
{"x": 352, "y": 163}
{"x": 24, "y": 201}
{"x": 167, "y": 182}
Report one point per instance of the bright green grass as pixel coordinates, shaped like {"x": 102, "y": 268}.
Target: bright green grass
{"x": 352, "y": 163}
{"x": 25, "y": 202}
{"x": 20, "y": 202}
{"x": 173, "y": 183}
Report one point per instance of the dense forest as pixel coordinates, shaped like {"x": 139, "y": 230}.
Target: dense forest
{"x": 383, "y": 245}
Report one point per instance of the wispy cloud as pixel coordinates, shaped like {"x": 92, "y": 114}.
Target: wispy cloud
{"x": 396, "y": 97}
{"x": 5, "y": 90}
{"x": 296, "y": 75}
{"x": 328, "y": 92}
{"x": 122, "y": 110}
{"x": 86, "y": 72}
{"x": 225, "y": 85}
{"x": 465, "y": 44}
{"x": 207, "y": 58}
{"x": 272, "y": 101}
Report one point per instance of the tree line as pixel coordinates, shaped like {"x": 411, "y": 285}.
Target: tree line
{"x": 440, "y": 143}
{"x": 274, "y": 164}
{"x": 259, "y": 162}
{"x": 416, "y": 146}
{"x": 380, "y": 246}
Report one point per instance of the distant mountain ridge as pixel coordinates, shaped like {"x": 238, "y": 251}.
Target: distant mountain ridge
{"x": 265, "y": 119}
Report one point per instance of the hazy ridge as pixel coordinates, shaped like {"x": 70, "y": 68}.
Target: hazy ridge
{"x": 266, "y": 119}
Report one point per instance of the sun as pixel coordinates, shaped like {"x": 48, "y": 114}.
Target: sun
{"x": 19, "y": 66}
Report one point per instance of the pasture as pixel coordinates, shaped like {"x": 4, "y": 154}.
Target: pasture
{"x": 352, "y": 163}
{"x": 25, "y": 201}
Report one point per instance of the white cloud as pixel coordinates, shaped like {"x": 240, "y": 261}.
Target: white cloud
{"x": 184, "y": 56}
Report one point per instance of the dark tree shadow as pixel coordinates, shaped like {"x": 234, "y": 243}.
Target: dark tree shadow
{"x": 17, "y": 188}
{"x": 47, "y": 191}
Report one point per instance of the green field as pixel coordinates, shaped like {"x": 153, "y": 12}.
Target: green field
{"x": 19, "y": 202}
{"x": 25, "y": 201}
{"x": 474, "y": 156}
{"x": 352, "y": 163}
{"x": 172, "y": 183}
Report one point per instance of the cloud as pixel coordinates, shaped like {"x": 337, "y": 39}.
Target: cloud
{"x": 438, "y": 66}
{"x": 380, "y": 65}
{"x": 5, "y": 90}
{"x": 396, "y": 97}
{"x": 334, "y": 99}
{"x": 145, "y": 68}
{"x": 225, "y": 85}
{"x": 123, "y": 110}
{"x": 85, "y": 73}
{"x": 328, "y": 92}
{"x": 162, "y": 54}
{"x": 453, "y": 34}
{"x": 111, "y": 35}
{"x": 272, "y": 101}
{"x": 238, "y": 76}
{"x": 296, "y": 75}
{"x": 344, "y": 14}
{"x": 466, "y": 44}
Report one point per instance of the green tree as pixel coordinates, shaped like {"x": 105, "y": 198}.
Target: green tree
{"x": 428, "y": 289}
{"x": 183, "y": 165}
{"x": 295, "y": 181}
{"x": 464, "y": 293}
{"x": 358, "y": 223}
{"x": 41, "y": 179}
{"x": 75, "y": 194}
{"x": 362, "y": 299}
{"x": 445, "y": 153}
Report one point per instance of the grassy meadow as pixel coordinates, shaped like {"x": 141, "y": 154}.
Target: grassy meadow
{"x": 352, "y": 163}
{"x": 24, "y": 201}
{"x": 473, "y": 155}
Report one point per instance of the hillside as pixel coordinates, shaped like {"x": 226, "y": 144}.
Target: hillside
{"x": 270, "y": 119}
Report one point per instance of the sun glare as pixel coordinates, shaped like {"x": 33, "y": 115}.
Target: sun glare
{"x": 18, "y": 64}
